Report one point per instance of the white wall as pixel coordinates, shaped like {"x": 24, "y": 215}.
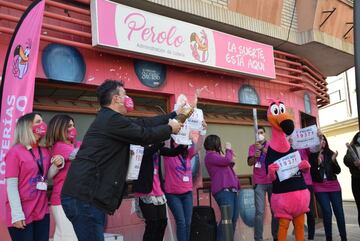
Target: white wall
{"x": 334, "y": 119}
{"x": 337, "y": 143}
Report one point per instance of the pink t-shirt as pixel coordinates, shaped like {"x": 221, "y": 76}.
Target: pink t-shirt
{"x": 63, "y": 149}
{"x": 156, "y": 190}
{"x": 178, "y": 174}
{"x": 259, "y": 170}
{"x": 327, "y": 186}
{"x": 21, "y": 164}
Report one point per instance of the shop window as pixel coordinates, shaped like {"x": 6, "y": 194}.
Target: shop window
{"x": 56, "y": 56}
{"x": 74, "y": 98}
{"x": 307, "y": 120}
{"x": 248, "y": 95}
{"x": 307, "y": 103}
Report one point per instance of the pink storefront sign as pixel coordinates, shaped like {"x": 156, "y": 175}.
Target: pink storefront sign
{"x": 131, "y": 30}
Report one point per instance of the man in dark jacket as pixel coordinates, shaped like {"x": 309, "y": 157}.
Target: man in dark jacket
{"x": 96, "y": 180}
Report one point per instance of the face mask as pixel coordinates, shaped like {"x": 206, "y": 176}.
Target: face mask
{"x": 40, "y": 129}
{"x": 129, "y": 104}
{"x": 358, "y": 140}
{"x": 71, "y": 134}
{"x": 260, "y": 137}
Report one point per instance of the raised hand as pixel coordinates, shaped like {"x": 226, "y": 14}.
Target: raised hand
{"x": 175, "y": 126}
{"x": 228, "y": 145}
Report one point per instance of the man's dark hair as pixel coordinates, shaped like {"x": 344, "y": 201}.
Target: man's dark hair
{"x": 107, "y": 90}
{"x": 261, "y": 128}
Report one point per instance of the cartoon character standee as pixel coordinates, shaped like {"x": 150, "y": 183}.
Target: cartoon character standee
{"x": 21, "y": 59}
{"x": 199, "y": 46}
{"x": 290, "y": 198}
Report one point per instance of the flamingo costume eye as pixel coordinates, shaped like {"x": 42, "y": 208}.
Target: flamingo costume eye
{"x": 282, "y": 108}
{"x": 274, "y": 109}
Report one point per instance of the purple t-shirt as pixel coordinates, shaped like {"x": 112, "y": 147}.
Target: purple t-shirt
{"x": 220, "y": 169}
{"x": 259, "y": 170}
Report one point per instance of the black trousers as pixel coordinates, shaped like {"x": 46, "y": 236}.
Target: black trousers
{"x": 155, "y": 221}
{"x": 310, "y": 214}
{"x": 355, "y": 186}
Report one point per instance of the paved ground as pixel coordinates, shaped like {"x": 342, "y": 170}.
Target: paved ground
{"x": 352, "y": 227}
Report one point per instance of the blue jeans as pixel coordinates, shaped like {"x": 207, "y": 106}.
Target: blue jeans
{"x": 34, "y": 231}
{"x": 260, "y": 194}
{"x": 228, "y": 198}
{"x": 334, "y": 199}
{"x": 88, "y": 221}
{"x": 181, "y": 206}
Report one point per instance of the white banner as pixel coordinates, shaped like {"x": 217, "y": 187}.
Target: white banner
{"x": 195, "y": 121}
{"x": 136, "y": 155}
{"x": 183, "y": 136}
{"x": 288, "y": 165}
{"x": 305, "y": 138}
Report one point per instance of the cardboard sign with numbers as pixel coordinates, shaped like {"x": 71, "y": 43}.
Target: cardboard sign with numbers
{"x": 288, "y": 165}
{"x": 305, "y": 137}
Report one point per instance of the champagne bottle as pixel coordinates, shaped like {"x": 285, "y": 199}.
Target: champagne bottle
{"x": 183, "y": 116}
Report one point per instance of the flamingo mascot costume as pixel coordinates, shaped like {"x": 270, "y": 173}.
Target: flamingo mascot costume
{"x": 290, "y": 198}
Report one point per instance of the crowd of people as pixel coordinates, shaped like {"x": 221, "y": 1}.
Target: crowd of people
{"x": 89, "y": 178}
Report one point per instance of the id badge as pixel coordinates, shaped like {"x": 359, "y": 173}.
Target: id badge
{"x": 186, "y": 179}
{"x": 258, "y": 165}
{"x": 42, "y": 186}
{"x": 155, "y": 172}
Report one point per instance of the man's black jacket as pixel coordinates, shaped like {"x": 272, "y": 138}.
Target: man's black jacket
{"x": 98, "y": 173}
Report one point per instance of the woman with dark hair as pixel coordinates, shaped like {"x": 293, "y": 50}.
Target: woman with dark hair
{"x": 61, "y": 140}
{"x": 179, "y": 185}
{"x": 225, "y": 185}
{"x": 27, "y": 165}
{"x": 324, "y": 169}
{"x": 149, "y": 190}
{"x": 352, "y": 161}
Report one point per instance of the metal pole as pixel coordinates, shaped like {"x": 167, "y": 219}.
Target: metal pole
{"x": 226, "y": 223}
{"x": 357, "y": 54}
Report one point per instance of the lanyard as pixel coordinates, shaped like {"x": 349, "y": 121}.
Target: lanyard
{"x": 183, "y": 163}
{"x": 39, "y": 161}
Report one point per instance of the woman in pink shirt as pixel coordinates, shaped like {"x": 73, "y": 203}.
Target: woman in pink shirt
{"x": 178, "y": 186}
{"x": 27, "y": 165}
{"x": 148, "y": 188}
{"x": 61, "y": 140}
{"x": 324, "y": 169}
